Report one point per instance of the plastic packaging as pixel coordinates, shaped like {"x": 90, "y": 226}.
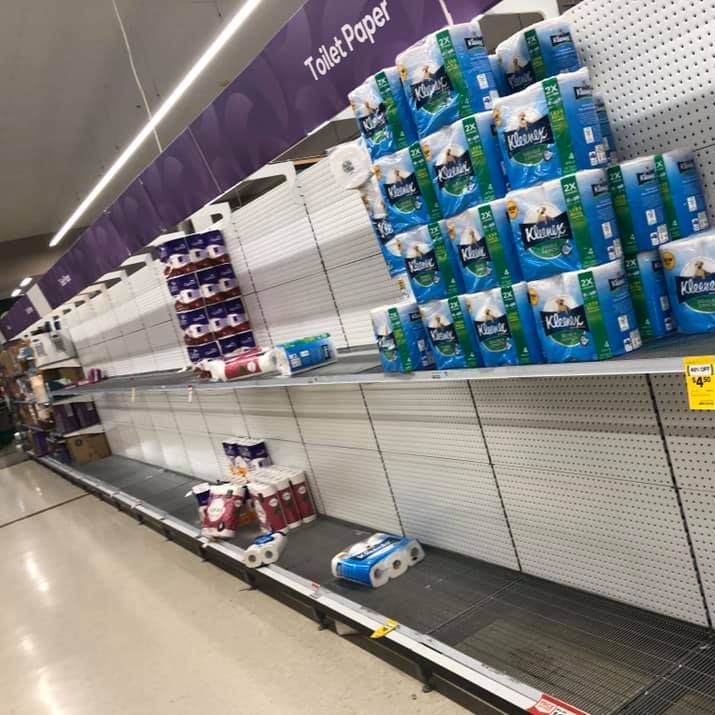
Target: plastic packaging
{"x": 401, "y": 338}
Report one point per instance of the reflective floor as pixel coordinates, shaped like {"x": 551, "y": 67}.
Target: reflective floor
{"x": 103, "y": 616}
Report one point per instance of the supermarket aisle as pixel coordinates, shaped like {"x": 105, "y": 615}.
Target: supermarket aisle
{"x": 101, "y": 615}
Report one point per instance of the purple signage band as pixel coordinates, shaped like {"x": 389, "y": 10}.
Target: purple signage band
{"x": 299, "y": 81}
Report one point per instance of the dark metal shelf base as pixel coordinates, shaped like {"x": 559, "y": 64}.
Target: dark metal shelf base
{"x": 601, "y": 656}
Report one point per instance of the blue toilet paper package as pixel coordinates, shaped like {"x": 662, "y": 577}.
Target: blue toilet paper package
{"x": 607, "y": 141}
{"x": 499, "y": 76}
{"x": 689, "y": 269}
{"x": 503, "y": 325}
{"x": 463, "y": 162}
{"x": 585, "y": 315}
{"x": 649, "y": 293}
{"x": 584, "y": 127}
{"x": 382, "y": 114}
{"x": 638, "y": 201}
{"x": 406, "y": 188}
{"x": 537, "y": 52}
{"x": 592, "y": 216}
{"x": 445, "y": 76}
{"x": 542, "y": 233}
{"x": 682, "y": 191}
{"x": 483, "y": 245}
{"x": 549, "y": 130}
{"x": 382, "y": 228}
{"x": 401, "y": 338}
{"x": 452, "y": 342}
{"x": 431, "y": 264}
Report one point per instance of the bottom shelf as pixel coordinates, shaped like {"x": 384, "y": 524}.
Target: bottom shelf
{"x": 514, "y": 635}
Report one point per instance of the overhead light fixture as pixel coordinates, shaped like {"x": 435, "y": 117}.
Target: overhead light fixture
{"x": 15, "y": 293}
{"x": 25, "y": 281}
{"x": 211, "y": 51}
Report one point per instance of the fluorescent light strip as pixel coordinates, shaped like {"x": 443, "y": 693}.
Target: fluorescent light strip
{"x": 213, "y": 49}
{"x": 25, "y": 282}
{"x": 15, "y": 293}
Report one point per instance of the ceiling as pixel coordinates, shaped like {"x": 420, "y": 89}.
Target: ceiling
{"x": 71, "y": 102}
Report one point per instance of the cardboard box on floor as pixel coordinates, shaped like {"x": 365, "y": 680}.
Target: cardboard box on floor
{"x": 88, "y": 448}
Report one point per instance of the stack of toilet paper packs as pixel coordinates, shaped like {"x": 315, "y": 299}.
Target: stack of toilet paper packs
{"x": 494, "y": 192}
{"x": 376, "y": 561}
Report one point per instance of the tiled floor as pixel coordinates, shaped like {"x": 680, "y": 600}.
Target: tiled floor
{"x": 101, "y": 615}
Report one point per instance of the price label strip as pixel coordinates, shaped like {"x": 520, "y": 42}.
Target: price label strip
{"x": 387, "y": 627}
{"x": 700, "y": 381}
{"x": 551, "y": 706}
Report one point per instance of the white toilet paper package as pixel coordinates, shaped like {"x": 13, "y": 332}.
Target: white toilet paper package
{"x": 549, "y": 130}
{"x": 382, "y": 114}
{"x": 503, "y": 325}
{"x": 638, "y": 201}
{"x": 585, "y": 315}
{"x": 451, "y": 340}
{"x": 304, "y": 354}
{"x": 382, "y": 228}
{"x": 482, "y": 242}
{"x": 649, "y": 293}
{"x": 464, "y": 163}
{"x": 445, "y": 76}
{"x": 542, "y": 50}
{"x": 564, "y": 224}
{"x": 607, "y": 141}
{"x": 401, "y": 338}
{"x": 689, "y": 268}
{"x": 265, "y": 550}
{"x": 406, "y": 188}
{"x": 682, "y": 192}
{"x": 430, "y": 262}
{"x": 377, "y": 560}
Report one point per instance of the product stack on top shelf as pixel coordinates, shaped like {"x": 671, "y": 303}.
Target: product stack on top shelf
{"x": 494, "y": 192}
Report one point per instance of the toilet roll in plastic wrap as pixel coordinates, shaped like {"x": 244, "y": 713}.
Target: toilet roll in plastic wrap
{"x": 375, "y": 561}
{"x": 304, "y": 354}
{"x": 483, "y": 245}
{"x": 406, "y": 188}
{"x": 265, "y": 550}
{"x": 638, "y": 201}
{"x": 382, "y": 227}
{"x": 682, "y": 190}
{"x": 222, "y": 510}
{"x": 689, "y": 268}
{"x": 499, "y": 76}
{"x": 565, "y": 224}
{"x": 539, "y": 51}
{"x": 549, "y": 130}
{"x": 350, "y": 164}
{"x": 503, "y": 326}
{"x": 450, "y": 338}
{"x": 248, "y": 364}
{"x": 585, "y": 315}
{"x": 431, "y": 263}
{"x": 607, "y": 141}
{"x": 464, "y": 163}
{"x": 401, "y": 338}
{"x": 446, "y": 75}
{"x": 382, "y": 114}
{"x": 649, "y": 293}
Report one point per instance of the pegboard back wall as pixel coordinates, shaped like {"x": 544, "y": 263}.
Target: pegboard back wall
{"x": 652, "y": 60}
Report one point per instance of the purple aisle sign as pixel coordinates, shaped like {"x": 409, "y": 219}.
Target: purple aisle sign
{"x": 100, "y": 249}
{"x": 67, "y": 277}
{"x": 178, "y": 181}
{"x": 135, "y": 217}
{"x": 19, "y": 317}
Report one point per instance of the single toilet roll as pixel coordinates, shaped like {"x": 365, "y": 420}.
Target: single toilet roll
{"x": 638, "y": 200}
{"x": 350, "y": 164}
{"x": 682, "y": 190}
{"x": 689, "y": 267}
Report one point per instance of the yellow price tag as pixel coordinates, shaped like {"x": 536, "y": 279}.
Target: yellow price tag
{"x": 387, "y": 627}
{"x": 133, "y": 395}
{"x": 700, "y": 379}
